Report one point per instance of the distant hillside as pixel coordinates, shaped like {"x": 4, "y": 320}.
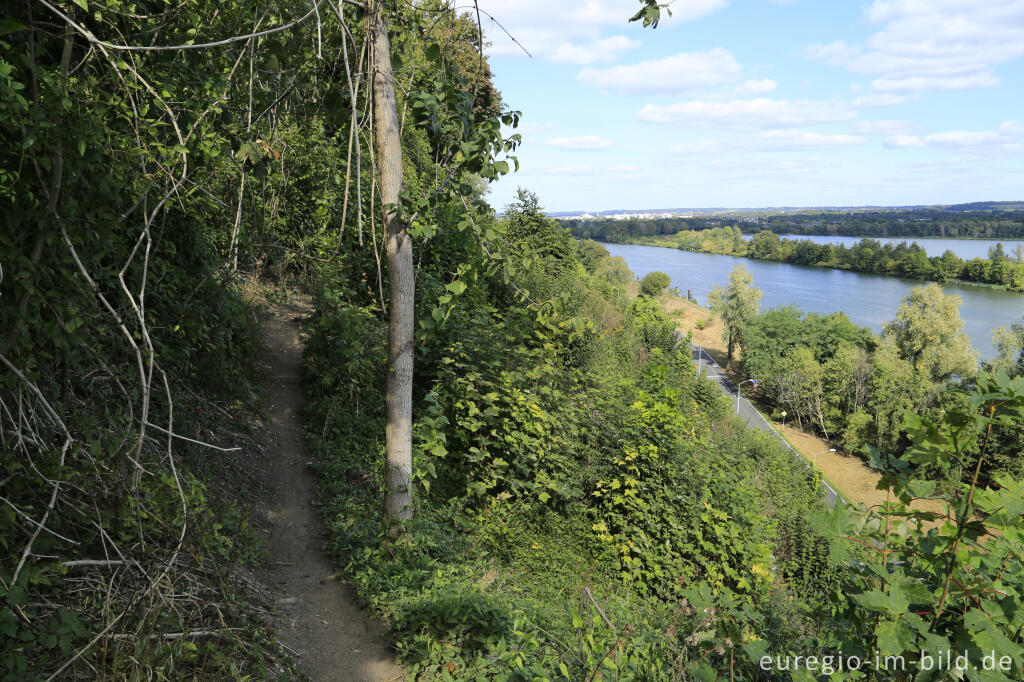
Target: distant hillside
{"x": 982, "y": 220}
{"x": 623, "y": 214}
{"x": 988, "y": 206}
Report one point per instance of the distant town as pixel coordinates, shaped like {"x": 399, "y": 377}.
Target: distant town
{"x": 753, "y": 215}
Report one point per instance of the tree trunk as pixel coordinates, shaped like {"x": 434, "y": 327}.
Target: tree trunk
{"x": 401, "y": 279}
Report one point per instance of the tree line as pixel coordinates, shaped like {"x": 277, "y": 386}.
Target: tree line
{"x": 948, "y": 223}
{"x": 1000, "y": 269}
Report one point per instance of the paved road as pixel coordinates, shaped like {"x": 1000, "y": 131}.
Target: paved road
{"x": 747, "y": 412}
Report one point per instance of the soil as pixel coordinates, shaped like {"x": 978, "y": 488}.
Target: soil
{"x": 318, "y": 618}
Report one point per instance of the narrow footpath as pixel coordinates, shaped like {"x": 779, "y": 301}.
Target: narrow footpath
{"x": 332, "y": 638}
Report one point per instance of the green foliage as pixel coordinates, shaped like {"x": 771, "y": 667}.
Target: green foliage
{"x": 805, "y": 560}
{"x": 563, "y": 448}
{"x": 930, "y": 335}
{"x": 652, "y": 326}
{"x": 653, "y": 283}
{"x": 116, "y": 311}
{"x": 736, "y": 304}
{"x": 954, "y": 587}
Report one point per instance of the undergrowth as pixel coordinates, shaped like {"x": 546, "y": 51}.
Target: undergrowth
{"x": 585, "y": 504}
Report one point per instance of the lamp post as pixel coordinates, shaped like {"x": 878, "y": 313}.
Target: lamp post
{"x": 700, "y": 359}
{"x": 748, "y": 381}
{"x": 818, "y": 453}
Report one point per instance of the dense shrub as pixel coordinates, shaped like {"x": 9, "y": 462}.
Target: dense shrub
{"x": 653, "y": 283}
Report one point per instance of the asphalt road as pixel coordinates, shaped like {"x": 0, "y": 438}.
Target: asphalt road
{"x": 748, "y": 413}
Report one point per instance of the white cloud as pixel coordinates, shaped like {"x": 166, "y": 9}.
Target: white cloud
{"x": 1006, "y": 136}
{"x": 885, "y": 127}
{"x": 600, "y": 50}
{"x": 881, "y": 99}
{"x": 760, "y": 87}
{"x": 782, "y": 139}
{"x": 925, "y": 83}
{"x": 834, "y": 54}
{"x": 802, "y": 139}
{"x": 749, "y": 113}
{"x": 583, "y": 143}
{"x": 544, "y": 27}
{"x": 925, "y": 45}
{"x": 904, "y": 141}
{"x": 675, "y": 74}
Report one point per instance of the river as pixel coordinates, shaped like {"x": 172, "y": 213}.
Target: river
{"x": 868, "y": 300}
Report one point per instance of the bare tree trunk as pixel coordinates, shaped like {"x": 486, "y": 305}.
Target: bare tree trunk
{"x": 401, "y": 280}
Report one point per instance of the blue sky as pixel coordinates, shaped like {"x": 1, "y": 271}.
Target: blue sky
{"x": 763, "y": 102}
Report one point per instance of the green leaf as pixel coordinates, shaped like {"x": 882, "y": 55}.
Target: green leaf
{"x": 704, "y": 672}
{"x": 17, "y": 595}
{"x": 921, "y": 488}
{"x": 10, "y": 26}
{"x": 893, "y": 638}
{"x": 81, "y": 147}
{"x": 83, "y": 4}
{"x": 874, "y": 601}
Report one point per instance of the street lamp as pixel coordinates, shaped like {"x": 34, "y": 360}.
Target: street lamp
{"x": 748, "y": 381}
{"x": 818, "y": 453}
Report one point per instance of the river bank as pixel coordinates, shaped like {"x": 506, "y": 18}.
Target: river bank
{"x": 868, "y": 256}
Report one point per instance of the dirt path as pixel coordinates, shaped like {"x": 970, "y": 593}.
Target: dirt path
{"x": 319, "y": 619}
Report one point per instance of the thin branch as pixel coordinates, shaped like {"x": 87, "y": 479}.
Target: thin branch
{"x": 190, "y": 440}
{"x": 88, "y": 35}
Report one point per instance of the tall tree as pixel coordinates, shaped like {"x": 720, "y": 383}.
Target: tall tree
{"x": 401, "y": 276}
{"x": 930, "y": 335}
{"x": 735, "y": 304}
{"x": 896, "y": 388}
{"x": 1010, "y": 345}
